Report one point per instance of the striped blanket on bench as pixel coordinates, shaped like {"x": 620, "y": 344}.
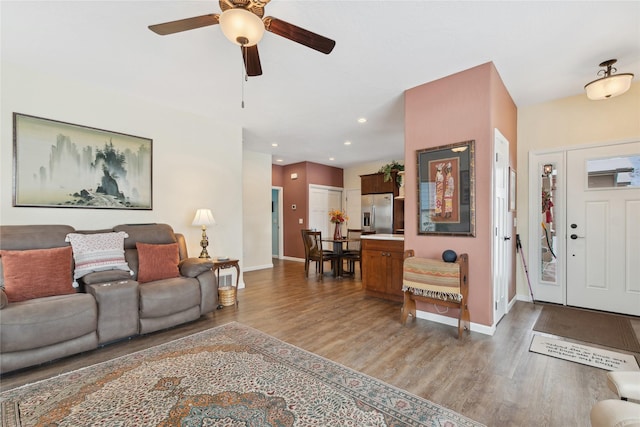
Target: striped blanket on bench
{"x": 432, "y": 278}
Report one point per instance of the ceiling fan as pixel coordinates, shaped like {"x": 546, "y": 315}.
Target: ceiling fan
{"x": 243, "y": 23}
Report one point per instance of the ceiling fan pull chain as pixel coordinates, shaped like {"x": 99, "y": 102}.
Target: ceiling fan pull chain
{"x": 244, "y": 78}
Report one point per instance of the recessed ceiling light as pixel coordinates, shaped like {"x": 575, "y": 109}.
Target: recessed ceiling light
{"x": 332, "y": 158}
{"x": 274, "y": 144}
{"x": 347, "y": 143}
{"x": 362, "y": 120}
{"x": 278, "y": 160}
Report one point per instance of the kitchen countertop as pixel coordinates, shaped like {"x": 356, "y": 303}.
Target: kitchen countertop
{"x": 383, "y": 236}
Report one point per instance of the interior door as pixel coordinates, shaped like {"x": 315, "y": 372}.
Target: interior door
{"x": 353, "y": 208}
{"x": 321, "y": 201}
{"x": 275, "y": 223}
{"x": 603, "y": 228}
{"x": 501, "y": 233}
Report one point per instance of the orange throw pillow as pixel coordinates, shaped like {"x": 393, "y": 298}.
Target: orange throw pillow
{"x": 37, "y": 273}
{"x": 156, "y": 262}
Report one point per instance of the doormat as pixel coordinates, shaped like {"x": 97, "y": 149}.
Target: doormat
{"x": 606, "y": 329}
{"x": 578, "y": 353}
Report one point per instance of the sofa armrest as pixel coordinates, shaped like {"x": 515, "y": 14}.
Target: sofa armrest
{"x": 3, "y": 299}
{"x": 208, "y": 291}
{"x": 193, "y": 267}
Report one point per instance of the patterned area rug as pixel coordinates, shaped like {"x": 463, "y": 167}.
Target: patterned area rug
{"x": 231, "y": 375}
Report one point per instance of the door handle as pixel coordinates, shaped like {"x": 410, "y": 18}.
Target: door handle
{"x": 507, "y": 238}
{"x": 575, "y": 236}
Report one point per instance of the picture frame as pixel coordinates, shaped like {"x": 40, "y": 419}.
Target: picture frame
{"x": 446, "y": 190}
{"x": 512, "y": 189}
{"x": 59, "y": 164}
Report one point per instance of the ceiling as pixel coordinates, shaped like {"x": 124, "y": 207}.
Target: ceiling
{"x": 307, "y": 102}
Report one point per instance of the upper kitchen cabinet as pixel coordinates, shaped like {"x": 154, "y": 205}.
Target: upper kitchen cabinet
{"x": 375, "y": 184}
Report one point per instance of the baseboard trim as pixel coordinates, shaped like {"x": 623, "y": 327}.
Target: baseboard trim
{"x": 451, "y": 321}
{"x": 525, "y": 298}
{"x": 258, "y": 267}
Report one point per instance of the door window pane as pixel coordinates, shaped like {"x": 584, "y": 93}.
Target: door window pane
{"x": 614, "y": 172}
{"x": 547, "y": 236}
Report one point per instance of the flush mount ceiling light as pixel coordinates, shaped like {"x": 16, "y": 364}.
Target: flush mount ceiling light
{"x": 241, "y": 26}
{"x": 610, "y": 84}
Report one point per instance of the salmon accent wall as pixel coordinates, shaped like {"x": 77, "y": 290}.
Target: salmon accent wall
{"x": 463, "y": 106}
{"x": 296, "y": 192}
{"x": 277, "y": 176}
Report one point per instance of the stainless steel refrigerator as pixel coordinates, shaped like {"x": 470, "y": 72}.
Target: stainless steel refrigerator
{"x": 377, "y": 213}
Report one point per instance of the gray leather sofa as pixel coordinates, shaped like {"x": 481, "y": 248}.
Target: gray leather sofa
{"x": 108, "y": 305}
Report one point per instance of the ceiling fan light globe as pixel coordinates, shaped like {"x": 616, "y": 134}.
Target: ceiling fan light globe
{"x": 608, "y": 87}
{"x": 241, "y": 26}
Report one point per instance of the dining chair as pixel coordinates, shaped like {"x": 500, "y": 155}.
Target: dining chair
{"x": 313, "y": 251}
{"x": 353, "y": 253}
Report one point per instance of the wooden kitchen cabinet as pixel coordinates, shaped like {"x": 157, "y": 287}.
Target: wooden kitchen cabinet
{"x": 382, "y": 262}
{"x": 375, "y": 184}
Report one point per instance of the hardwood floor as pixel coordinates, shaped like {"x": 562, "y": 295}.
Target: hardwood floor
{"x": 493, "y": 380}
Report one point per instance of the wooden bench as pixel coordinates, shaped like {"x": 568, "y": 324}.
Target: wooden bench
{"x": 436, "y": 282}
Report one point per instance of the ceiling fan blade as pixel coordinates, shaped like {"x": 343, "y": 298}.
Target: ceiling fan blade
{"x": 299, "y": 35}
{"x": 251, "y": 60}
{"x": 185, "y": 24}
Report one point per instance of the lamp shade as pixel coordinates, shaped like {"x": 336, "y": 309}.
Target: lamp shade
{"x": 608, "y": 87}
{"x": 203, "y": 217}
{"x": 241, "y": 26}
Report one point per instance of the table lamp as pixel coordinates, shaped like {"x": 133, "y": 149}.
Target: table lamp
{"x": 203, "y": 218}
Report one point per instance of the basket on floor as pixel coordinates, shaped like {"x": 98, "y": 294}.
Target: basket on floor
{"x": 227, "y": 295}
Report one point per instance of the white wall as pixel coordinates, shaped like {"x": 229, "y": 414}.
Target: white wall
{"x": 197, "y": 161}
{"x": 256, "y": 177}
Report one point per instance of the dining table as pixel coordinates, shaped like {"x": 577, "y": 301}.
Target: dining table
{"x": 338, "y": 250}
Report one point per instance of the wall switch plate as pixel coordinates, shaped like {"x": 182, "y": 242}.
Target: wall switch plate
{"x": 300, "y": 221}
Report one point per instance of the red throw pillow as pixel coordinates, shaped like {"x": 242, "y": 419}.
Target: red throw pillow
{"x": 37, "y": 273}
{"x": 157, "y": 262}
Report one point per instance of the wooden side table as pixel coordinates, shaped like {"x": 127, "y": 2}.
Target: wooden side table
{"x": 219, "y": 264}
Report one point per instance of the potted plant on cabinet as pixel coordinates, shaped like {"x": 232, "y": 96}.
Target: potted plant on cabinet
{"x": 389, "y": 167}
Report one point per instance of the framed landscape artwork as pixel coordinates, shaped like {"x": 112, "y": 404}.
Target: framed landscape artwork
{"x": 446, "y": 190}
{"x": 58, "y": 164}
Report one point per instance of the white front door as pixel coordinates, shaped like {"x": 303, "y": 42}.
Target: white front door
{"x": 603, "y": 228}
{"x": 501, "y": 230}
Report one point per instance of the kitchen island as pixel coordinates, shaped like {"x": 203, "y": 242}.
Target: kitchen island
{"x": 382, "y": 261}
